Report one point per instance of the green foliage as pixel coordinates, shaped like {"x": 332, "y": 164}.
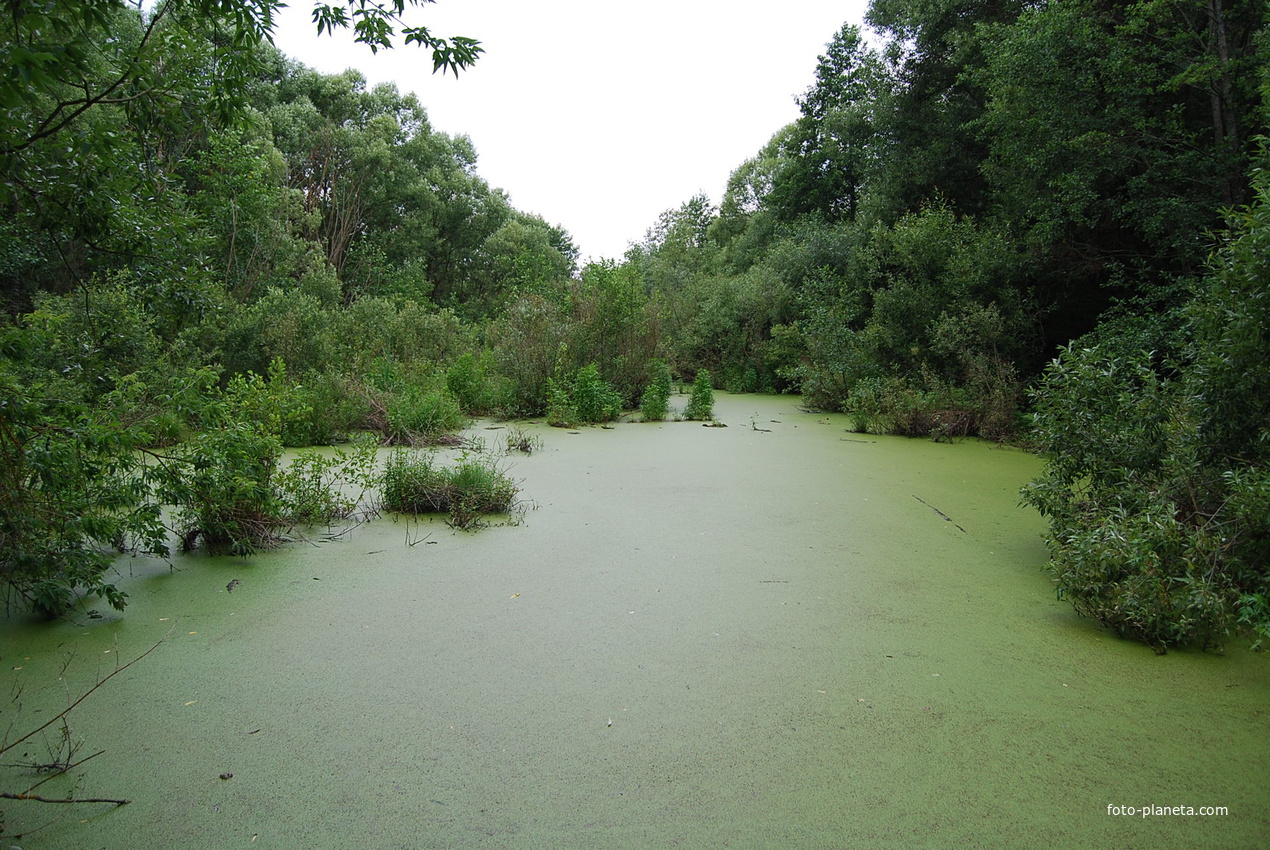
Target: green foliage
{"x": 531, "y": 336}
{"x": 1157, "y": 486}
{"x": 560, "y": 410}
{"x": 226, "y": 501}
{"x": 468, "y": 490}
{"x": 725, "y": 325}
{"x": 593, "y": 398}
{"x": 583, "y": 399}
{"x": 910, "y": 409}
{"x": 471, "y": 380}
{"x": 828, "y": 147}
{"x": 323, "y": 488}
{"x": 330, "y": 412}
{"x": 76, "y": 479}
{"x": 95, "y": 336}
{"x": 613, "y": 324}
{"x": 422, "y": 414}
{"x": 701, "y": 402}
{"x": 520, "y": 440}
{"x": 654, "y": 404}
{"x": 270, "y": 403}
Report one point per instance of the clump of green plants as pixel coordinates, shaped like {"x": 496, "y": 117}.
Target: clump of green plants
{"x": 473, "y": 383}
{"x": 654, "y": 404}
{"x": 520, "y": 440}
{"x": 230, "y": 493}
{"x": 318, "y": 488}
{"x": 74, "y": 486}
{"x": 420, "y": 415}
{"x": 1157, "y": 486}
{"x": 467, "y": 491}
{"x": 584, "y": 399}
{"x": 226, "y": 502}
{"x": 896, "y": 405}
{"x": 701, "y": 403}
{"x": 410, "y": 405}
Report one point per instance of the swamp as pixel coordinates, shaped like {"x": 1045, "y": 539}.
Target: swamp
{"x": 913, "y": 490}
{"x": 778, "y": 633}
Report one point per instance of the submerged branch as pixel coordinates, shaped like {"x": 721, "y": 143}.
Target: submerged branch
{"x": 84, "y": 696}
{"x": 37, "y": 798}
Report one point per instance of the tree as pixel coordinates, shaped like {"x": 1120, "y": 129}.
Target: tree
{"x": 701, "y": 402}
{"x": 828, "y": 149}
{"x": 102, "y": 103}
{"x": 1157, "y": 486}
{"x": 52, "y": 51}
{"x": 1116, "y": 133}
{"x": 927, "y": 144}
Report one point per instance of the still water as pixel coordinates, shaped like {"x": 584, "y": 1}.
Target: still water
{"x": 775, "y": 634}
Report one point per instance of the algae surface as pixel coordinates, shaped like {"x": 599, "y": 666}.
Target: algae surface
{"x": 789, "y": 637}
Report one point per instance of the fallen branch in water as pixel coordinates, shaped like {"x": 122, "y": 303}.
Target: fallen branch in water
{"x": 4, "y": 749}
{"x": 37, "y": 798}
{"x": 63, "y": 765}
{"x": 946, "y": 517}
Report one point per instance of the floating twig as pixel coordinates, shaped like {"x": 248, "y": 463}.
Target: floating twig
{"x": 946, "y": 517}
{"x": 37, "y": 798}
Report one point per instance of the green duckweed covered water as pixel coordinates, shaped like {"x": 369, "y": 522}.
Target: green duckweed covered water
{"x": 702, "y": 637}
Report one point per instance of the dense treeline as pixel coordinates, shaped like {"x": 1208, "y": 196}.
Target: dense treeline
{"x": 1011, "y": 219}
{"x": 993, "y": 182}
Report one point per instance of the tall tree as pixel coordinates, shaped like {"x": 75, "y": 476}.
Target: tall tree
{"x": 827, "y": 150}
{"x": 929, "y": 149}
{"x": 1116, "y": 133}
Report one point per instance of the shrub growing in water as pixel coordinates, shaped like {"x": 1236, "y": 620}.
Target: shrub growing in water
{"x": 1157, "y": 487}
{"x": 701, "y": 402}
{"x": 654, "y": 405}
{"x": 317, "y": 488}
{"x": 422, "y": 414}
{"x": 471, "y": 380}
{"x": 227, "y": 500}
{"x": 593, "y": 398}
{"x": 585, "y": 399}
{"x": 414, "y": 483}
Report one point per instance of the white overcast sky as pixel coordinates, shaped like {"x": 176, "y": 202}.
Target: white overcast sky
{"x": 596, "y": 114}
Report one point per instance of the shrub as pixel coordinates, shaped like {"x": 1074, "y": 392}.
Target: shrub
{"x": 654, "y": 405}
{"x": 480, "y": 392}
{"x": 272, "y": 402}
{"x": 334, "y": 411}
{"x": 473, "y": 487}
{"x": 560, "y": 410}
{"x": 422, "y": 414}
{"x": 226, "y": 499}
{"x": 701, "y": 402}
{"x": 408, "y": 405}
{"x": 585, "y": 398}
{"x": 94, "y": 336}
{"x": 528, "y": 346}
{"x": 74, "y": 486}
{"x": 897, "y": 406}
{"x": 317, "y": 488}
{"x": 593, "y": 398}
